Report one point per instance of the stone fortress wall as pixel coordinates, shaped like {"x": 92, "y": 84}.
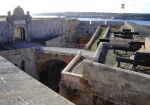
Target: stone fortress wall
{"x": 3, "y": 31}
{"x": 24, "y": 59}
{"x": 83, "y": 28}
{"x": 99, "y": 82}
{"x": 104, "y": 84}
{"x": 50, "y": 28}
{"x": 18, "y": 88}
{"x": 35, "y": 28}
{"x": 40, "y": 28}
{"x": 117, "y": 85}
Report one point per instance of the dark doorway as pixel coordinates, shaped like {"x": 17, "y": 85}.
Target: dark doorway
{"x": 50, "y": 74}
{"x": 19, "y": 34}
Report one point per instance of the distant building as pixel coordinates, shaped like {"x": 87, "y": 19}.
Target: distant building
{"x": 21, "y": 26}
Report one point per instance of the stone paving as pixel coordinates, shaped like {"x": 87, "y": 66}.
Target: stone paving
{"x": 60, "y": 50}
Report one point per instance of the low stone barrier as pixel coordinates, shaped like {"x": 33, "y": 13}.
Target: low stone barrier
{"x": 22, "y": 58}
{"x": 72, "y": 63}
{"x": 129, "y": 26}
{"x": 95, "y": 35}
{"x": 120, "y": 86}
{"x": 100, "y": 49}
{"x": 106, "y": 34}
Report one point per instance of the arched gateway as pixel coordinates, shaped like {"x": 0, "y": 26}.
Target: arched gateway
{"x": 19, "y": 23}
{"x": 19, "y": 34}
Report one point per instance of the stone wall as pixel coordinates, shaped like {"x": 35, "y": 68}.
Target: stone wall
{"x": 105, "y": 85}
{"x": 70, "y": 26}
{"x": 101, "y": 51}
{"x": 3, "y": 31}
{"x": 86, "y": 30}
{"x": 101, "y": 23}
{"x": 50, "y": 28}
{"x": 43, "y": 57}
{"x": 45, "y": 29}
{"x": 23, "y": 59}
{"x": 143, "y": 30}
{"x": 74, "y": 86}
{"x": 18, "y": 88}
{"x": 120, "y": 86}
{"x": 94, "y": 37}
{"x": 147, "y": 44}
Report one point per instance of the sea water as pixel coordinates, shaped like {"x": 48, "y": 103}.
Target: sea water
{"x": 140, "y": 22}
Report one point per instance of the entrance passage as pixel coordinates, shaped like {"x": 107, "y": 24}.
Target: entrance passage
{"x": 51, "y": 74}
{"x": 19, "y": 34}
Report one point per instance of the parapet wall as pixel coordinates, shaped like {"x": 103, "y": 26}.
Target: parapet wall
{"x": 101, "y": 83}
{"x": 143, "y": 30}
{"x": 101, "y": 23}
{"x": 101, "y": 51}
{"x": 128, "y": 25}
{"x": 3, "y": 31}
{"x": 23, "y": 59}
{"x": 94, "y": 36}
{"x": 50, "y": 28}
{"x": 147, "y": 44}
{"x": 73, "y": 86}
{"x": 120, "y": 86}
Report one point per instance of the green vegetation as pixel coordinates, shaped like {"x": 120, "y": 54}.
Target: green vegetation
{"x": 111, "y": 58}
{"x": 94, "y": 47}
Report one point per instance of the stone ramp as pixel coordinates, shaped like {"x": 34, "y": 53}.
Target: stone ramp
{"x": 72, "y": 51}
{"x": 18, "y": 88}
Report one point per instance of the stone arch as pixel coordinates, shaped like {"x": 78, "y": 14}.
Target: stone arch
{"x": 44, "y": 57}
{"x": 19, "y": 33}
{"x": 50, "y": 73}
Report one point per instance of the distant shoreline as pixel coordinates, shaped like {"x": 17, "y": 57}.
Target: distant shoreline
{"x": 121, "y": 16}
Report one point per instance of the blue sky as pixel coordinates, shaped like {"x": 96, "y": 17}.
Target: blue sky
{"x": 41, "y": 6}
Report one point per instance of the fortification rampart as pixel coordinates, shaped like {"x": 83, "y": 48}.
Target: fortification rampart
{"x": 3, "y": 31}
{"x": 147, "y": 44}
{"x": 101, "y": 50}
{"x": 18, "y": 88}
{"x": 42, "y": 29}
{"x": 46, "y": 29}
{"x": 23, "y": 59}
{"x": 128, "y": 25}
{"x": 143, "y": 30}
{"x": 94, "y": 36}
{"x": 120, "y": 86}
{"x": 105, "y": 84}
{"x": 74, "y": 86}
{"x": 101, "y": 23}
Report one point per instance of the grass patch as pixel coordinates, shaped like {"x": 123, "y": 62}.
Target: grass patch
{"x": 115, "y": 29}
{"x": 94, "y": 47}
{"x": 111, "y": 58}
